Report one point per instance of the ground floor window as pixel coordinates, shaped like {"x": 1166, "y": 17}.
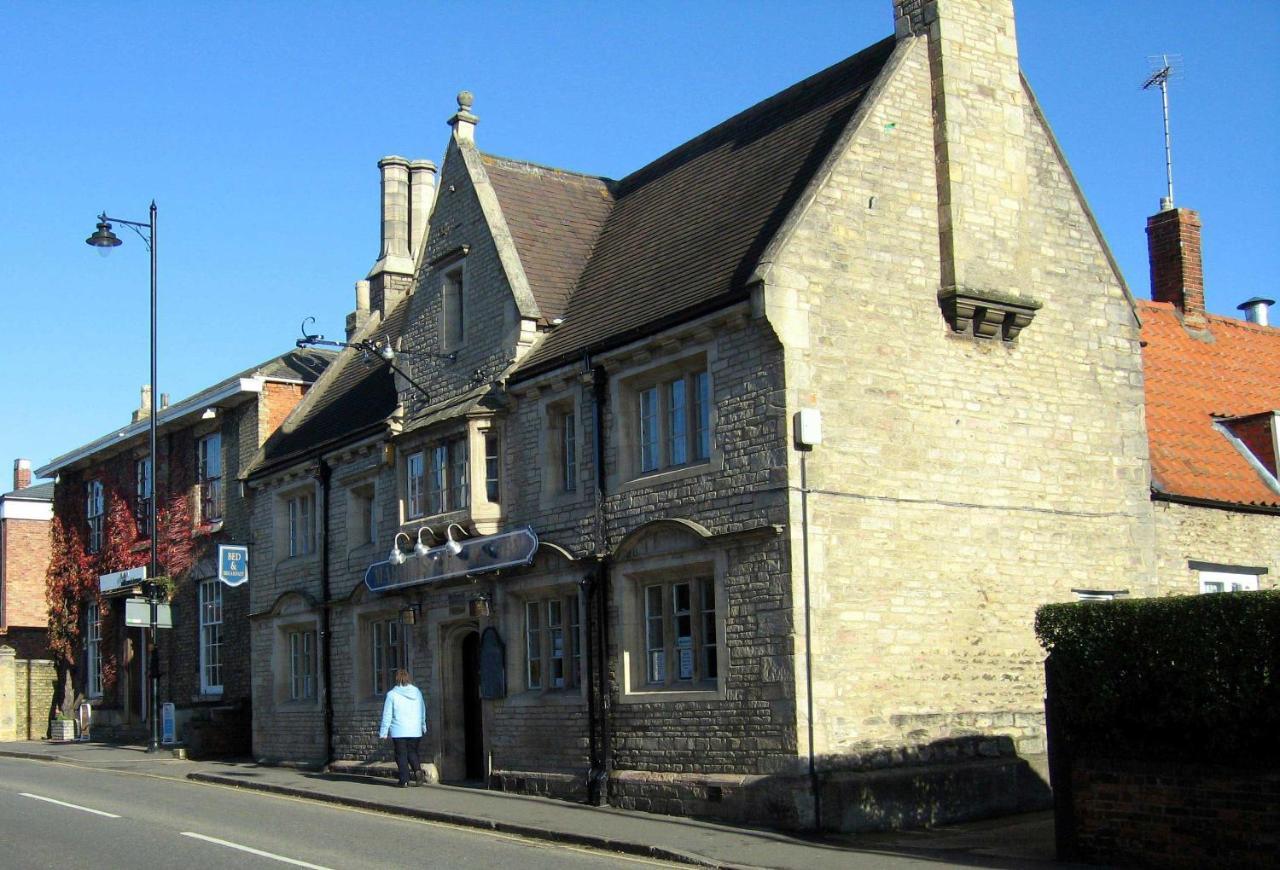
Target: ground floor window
{"x": 93, "y": 650}
{"x": 680, "y": 632}
{"x": 210, "y": 606}
{"x": 553, "y": 642}
{"x": 302, "y": 665}
{"x": 1228, "y": 581}
{"x": 387, "y": 653}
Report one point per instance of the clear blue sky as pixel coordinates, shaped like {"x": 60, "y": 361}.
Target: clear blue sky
{"x": 256, "y": 127}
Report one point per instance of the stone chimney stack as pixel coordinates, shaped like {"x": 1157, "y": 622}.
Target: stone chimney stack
{"x": 358, "y": 318}
{"x": 981, "y": 115}
{"x": 144, "y": 407}
{"x": 422, "y": 188}
{"x": 1177, "y": 275}
{"x": 390, "y": 277}
{"x": 21, "y": 473}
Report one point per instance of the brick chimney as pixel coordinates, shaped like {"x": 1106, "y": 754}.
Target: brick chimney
{"x": 21, "y": 473}
{"x": 1177, "y": 274}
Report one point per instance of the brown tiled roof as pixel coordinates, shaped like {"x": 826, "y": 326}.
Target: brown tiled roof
{"x": 1191, "y": 382}
{"x": 686, "y": 231}
{"x": 554, "y": 218}
{"x": 359, "y": 395}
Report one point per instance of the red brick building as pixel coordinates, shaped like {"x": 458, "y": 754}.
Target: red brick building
{"x": 25, "y": 514}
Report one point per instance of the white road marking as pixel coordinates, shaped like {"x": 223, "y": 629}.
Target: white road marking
{"x": 65, "y": 804}
{"x": 253, "y": 851}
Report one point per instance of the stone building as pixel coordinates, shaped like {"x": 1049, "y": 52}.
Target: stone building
{"x": 24, "y": 555}
{"x": 1212, "y": 396}
{"x": 102, "y": 497}
{"x": 730, "y": 487}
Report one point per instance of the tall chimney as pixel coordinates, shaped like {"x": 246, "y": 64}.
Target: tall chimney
{"x": 390, "y": 277}
{"x": 422, "y": 186}
{"x": 358, "y": 318}
{"x": 1177, "y": 274}
{"x": 981, "y": 114}
{"x": 144, "y": 406}
{"x": 21, "y": 473}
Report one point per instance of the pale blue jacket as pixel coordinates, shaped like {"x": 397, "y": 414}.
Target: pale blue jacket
{"x": 404, "y": 714}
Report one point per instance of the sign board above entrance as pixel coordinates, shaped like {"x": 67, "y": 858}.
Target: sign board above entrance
{"x": 481, "y": 555}
{"x": 121, "y": 579}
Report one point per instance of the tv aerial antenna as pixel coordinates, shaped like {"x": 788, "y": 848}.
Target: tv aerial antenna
{"x": 1163, "y": 68}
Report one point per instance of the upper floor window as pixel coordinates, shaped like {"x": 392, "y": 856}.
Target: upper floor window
{"x": 553, "y": 643}
{"x": 452, "y": 328}
{"x": 209, "y": 477}
{"x": 362, "y": 522}
{"x": 671, "y": 420}
{"x": 492, "y": 466}
{"x": 437, "y": 479}
{"x": 211, "y": 636}
{"x": 302, "y": 524}
{"x": 567, "y": 440}
{"x": 142, "y": 496}
{"x": 93, "y": 511}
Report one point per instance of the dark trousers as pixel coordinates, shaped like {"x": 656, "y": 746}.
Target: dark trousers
{"x": 407, "y": 762}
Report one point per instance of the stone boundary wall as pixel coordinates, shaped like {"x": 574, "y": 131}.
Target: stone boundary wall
{"x": 26, "y": 696}
{"x": 1166, "y": 814}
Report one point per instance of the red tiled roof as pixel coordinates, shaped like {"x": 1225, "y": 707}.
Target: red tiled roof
{"x": 1189, "y": 383}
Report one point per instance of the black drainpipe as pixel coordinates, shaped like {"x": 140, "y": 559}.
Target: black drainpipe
{"x": 601, "y": 760}
{"x": 324, "y": 474}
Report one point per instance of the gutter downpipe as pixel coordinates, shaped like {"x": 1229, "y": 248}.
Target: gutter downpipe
{"x": 814, "y": 785}
{"x": 598, "y": 787}
{"x": 323, "y": 474}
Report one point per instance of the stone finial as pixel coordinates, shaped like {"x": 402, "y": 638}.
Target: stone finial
{"x": 463, "y": 122}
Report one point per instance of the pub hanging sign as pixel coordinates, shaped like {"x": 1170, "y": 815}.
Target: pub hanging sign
{"x": 233, "y": 564}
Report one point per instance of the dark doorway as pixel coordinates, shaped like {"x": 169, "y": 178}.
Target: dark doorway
{"x": 472, "y": 722}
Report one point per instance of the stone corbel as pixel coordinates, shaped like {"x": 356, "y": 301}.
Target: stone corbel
{"x": 987, "y": 314}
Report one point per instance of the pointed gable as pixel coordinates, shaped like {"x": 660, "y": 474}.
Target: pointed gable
{"x": 554, "y": 218}
{"x": 1204, "y": 400}
{"x": 686, "y": 231}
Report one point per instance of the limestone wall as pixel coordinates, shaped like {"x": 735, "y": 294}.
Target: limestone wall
{"x": 1186, "y": 534}
{"x": 961, "y": 482}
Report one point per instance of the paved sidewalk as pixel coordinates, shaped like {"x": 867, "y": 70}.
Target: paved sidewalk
{"x": 1013, "y": 842}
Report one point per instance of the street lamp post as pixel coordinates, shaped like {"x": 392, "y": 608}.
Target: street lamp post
{"x": 104, "y": 240}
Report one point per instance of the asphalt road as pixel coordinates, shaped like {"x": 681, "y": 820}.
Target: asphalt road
{"x": 58, "y": 816}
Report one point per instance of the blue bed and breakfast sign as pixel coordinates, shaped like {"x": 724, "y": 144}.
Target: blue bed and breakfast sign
{"x": 233, "y": 564}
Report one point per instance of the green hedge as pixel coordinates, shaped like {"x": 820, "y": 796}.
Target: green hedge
{"x": 1191, "y": 678}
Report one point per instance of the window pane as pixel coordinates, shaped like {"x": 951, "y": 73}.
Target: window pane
{"x": 533, "y": 643}
{"x": 683, "y": 621}
{"x": 555, "y": 628}
{"x": 491, "y": 466}
{"x": 575, "y": 641}
{"x": 568, "y": 453}
{"x": 459, "y": 494}
{"x": 655, "y": 645}
{"x": 414, "y": 485}
{"x": 649, "y": 429}
{"x": 701, "y": 416}
{"x": 677, "y": 424}
{"x": 210, "y": 636}
{"x": 438, "y": 479}
{"x": 707, "y": 605}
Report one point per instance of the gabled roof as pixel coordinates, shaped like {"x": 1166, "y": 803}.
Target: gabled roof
{"x": 35, "y": 492}
{"x": 357, "y": 395}
{"x": 1194, "y": 387}
{"x": 554, "y": 218}
{"x": 686, "y": 231}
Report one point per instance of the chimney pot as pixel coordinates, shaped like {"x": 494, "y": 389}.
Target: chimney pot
{"x": 1256, "y": 310}
{"x": 21, "y": 473}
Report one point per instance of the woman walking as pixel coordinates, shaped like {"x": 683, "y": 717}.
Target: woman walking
{"x": 404, "y": 718}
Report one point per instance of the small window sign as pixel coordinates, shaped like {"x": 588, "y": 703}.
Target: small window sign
{"x": 233, "y": 564}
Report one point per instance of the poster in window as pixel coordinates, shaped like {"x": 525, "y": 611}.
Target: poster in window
{"x": 686, "y": 663}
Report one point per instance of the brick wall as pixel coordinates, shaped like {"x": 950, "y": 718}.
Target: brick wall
{"x": 24, "y": 550}
{"x": 1174, "y": 815}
